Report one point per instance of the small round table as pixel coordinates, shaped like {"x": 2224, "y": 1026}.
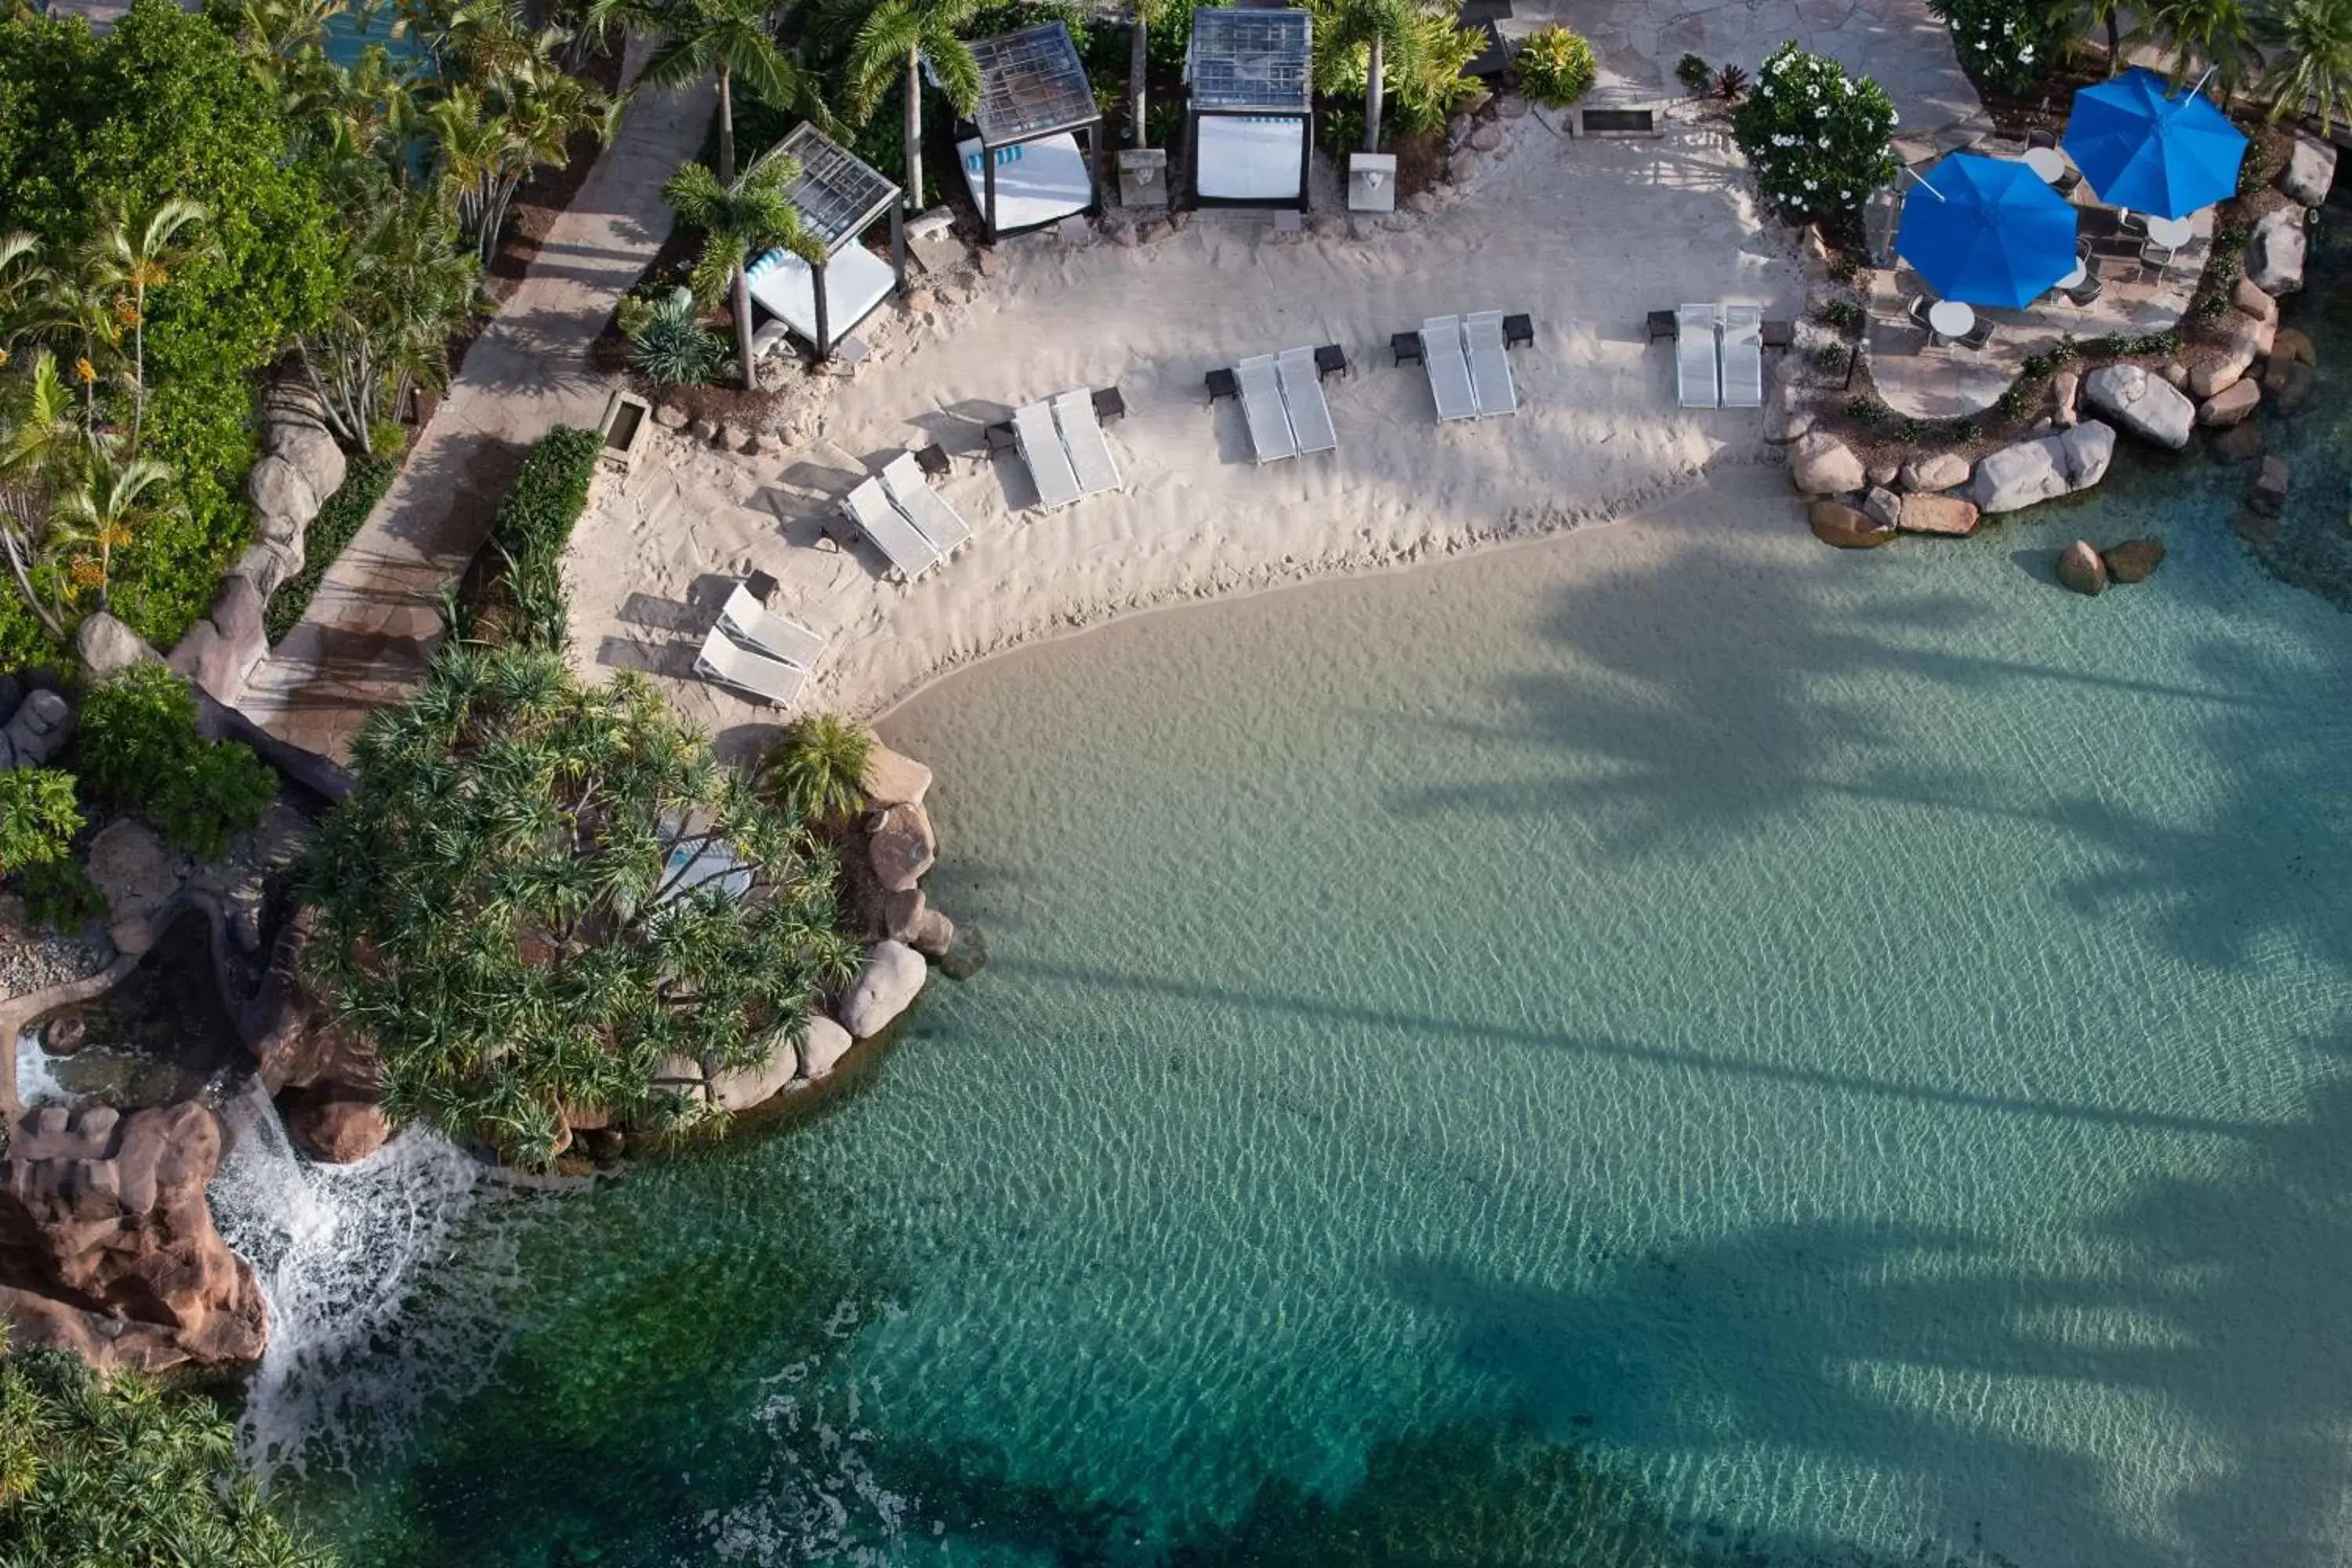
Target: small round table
{"x": 2172, "y": 233}
{"x": 1950, "y": 319}
{"x": 2074, "y": 279}
{"x": 2047, "y": 161}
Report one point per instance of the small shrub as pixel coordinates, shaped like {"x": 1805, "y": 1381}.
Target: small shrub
{"x": 1731, "y": 82}
{"x": 39, "y": 818}
{"x": 1694, "y": 73}
{"x": 59, "y": 895}
{"x": 1557, "y": 67}
{"x": 1966, "y": 430}
{"x": 366, "y": 479}
{"x": 817, "y": 769}
{"x": 2231, "y": 239}
{"x": 1844, "y": 268}
{"x": 1343, "y": 131}
{"x": 667, "y": 341}
{"x": 523, "y": 601}
{"x": 1911, "y": 431}
{"x": 2037, "y": 367}
{"x": 1819, "y": 140}
{"x": 2005, "y": 44}
{"x": 2212, "y": 307}
{"x": 2254, "y": 170}
{"x": 139, "y": 745}
{"x": 1846, "y": 315}
{"x": 1833, "y": 357}
{"x": 2068, "y": 351}
{"x": 1866, "y": 409}
{"x": 2016, "y": 401}
{"x": 1165, "y": 121}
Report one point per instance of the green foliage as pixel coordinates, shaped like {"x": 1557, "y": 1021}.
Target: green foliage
{"x": 1833, "y": 358}
{"x": 98, "y": 1472}
{"x": 1864, "y": 409}
{"x": 60, "y": 895}
{"x": 1819, "y": 140}
{"x": 2005, "y": 44}
{"x": 1910, "y": 431}
{"x": 538, "y": 891}
{"x": 1965, "y": 430}
{"x": 1846, "y": 315}
{"x": 1731, "y": 82}
{"x": 366, "y": 479}
{"x": 2016, "y": 401}
{"x": 2215, "y": 35}
{"x": 1343, "y": 131}
{"x": 1557, "y": 67}
{"x": 524, "y": 604}
{"x": 667, "y": 342}
{"x": 37, "y": 817}
{"x": 138, "y": 745}
{"x": 2312, "y": 53}
{"x": 817, "y": 769}
{"x": 1423, "y": 50}
{"x": 1693, "y": 73}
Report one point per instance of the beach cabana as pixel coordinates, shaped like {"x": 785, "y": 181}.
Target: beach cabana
{"x": 1249, "y": 123}
{"x": 1021, "y": 161}
{"x": 838, "y": 197}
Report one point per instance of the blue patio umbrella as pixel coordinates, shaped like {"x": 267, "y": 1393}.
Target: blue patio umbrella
{"x": 1986, "y": 231}
{"x": 2153, "y": 148}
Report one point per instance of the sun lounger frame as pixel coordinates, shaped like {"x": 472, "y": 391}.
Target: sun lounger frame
{"x": 1490, "y": 363}
{"x": 1084, "y": 443}
{"x": 868, "y": 505}
{"x": 1049, "y": 463}
{"x": 1302, "y": 397}
{"x": 1697, "y": 383}
{"x": 778, "y": 635}
{"x": 1448, "y": 367}
{"x": 934, "y": 519}
{"x": 725, "y": 662}
{"x": 1263, "y": 409}
{"x": 1742, "y": 352}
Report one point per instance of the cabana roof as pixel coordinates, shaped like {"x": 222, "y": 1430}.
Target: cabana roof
{"x": 1260, "y": 61}
{"x": 837, "y": 192}
{"x": 1032, "y": 84}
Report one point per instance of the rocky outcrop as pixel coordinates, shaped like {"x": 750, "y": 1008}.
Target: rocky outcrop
{"x": 2274, "y": 254}
{"x": 902, "y": 847}
{"x": 335, "y": 1127}
{"x": 2250, "y": 298}
{"x": 35, "y": 730}
{"x": 309, "y": 450}
{"x": 2145, "y": 405}
{"x": 107, "y": 646}
{"x": 2309, "y": 171}
{"x": 2066, "y": 397}
{"x": 1884, "y": 507}
{"x": 1822, "y": 465}
{"x": 139, "y": 876}
{"x": 908, "y": 917}
{"x": 885, "y": 986}
{"x": 2042, "y": 469}
{"x": 1936, "y": 471}
{"x": 826, "y": 1044}
{"x": 2133, "y": 560}
{"x": 220, "y": 652}
{"x": 2233, "y": 405}
{"x": 324, "y": 1079}
{"x": 2081, "y": 569}
{"x": 109, "y": 1248}
{"x": 892, "y": 779}
{"x": 1946, "y": 515}
{"x": 2243, "y": 341}
{"x": 2087, "y": 451}
{"x": 1847, "y": 527}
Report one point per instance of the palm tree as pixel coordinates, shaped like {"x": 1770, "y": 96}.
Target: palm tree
{"x": 729, "y": 38}
{"x": 891, "y": 48}
{"x": 105, "y": 512}
{"x": 1383, "y": 28}
{"x": 817, "y": 769}
{"x": 486, "y": 146}
{"x": 23, "y": 284}
{"x": 2207, "y": 35}
{"x": 406, "y": 290}
{"x": 738, "y": 219}
{"x": 78, "y": 304}
{"x": 138, "y": 254}
{"x": 2076, "y": 18}
{"x": 2314, "y": 39}
{"x": 40, "y": 441}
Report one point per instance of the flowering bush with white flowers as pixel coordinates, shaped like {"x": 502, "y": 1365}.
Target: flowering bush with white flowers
{"x": 1819, "y": 140}
{"x": 2005, "y": 44}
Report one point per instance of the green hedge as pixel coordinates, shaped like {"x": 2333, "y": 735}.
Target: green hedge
{"x": 519, "y": 592}
{"x": 366, "y": 479}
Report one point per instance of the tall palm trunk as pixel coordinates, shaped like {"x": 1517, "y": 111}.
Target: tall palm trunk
{"x": 2114, "y": 42}
{"x": 914, "y": 131}
{"x": 744, "y": 327}
{"x": 1372, "y": 90}
{"x": 138, "y": 365}
{"x": 1139, "y": 61}
{"x": 726, "y": 130}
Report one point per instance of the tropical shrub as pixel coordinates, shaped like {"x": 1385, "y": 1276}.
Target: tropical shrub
{"x": 113, "y": 1472}
{"x": 1819, "y": 140}
{"x": 37, "y": 817}
{"x": 138, "y": 744}
{"x": 2005, "y": 44}
{"x": 366, "y": 479}
{"x": 1693, "y": 73}
{"x": 1557, "y": 67}
{"x": 2313, "y": 61}
{"x": 816, "y": 770}
{"x": 525, "y": 603}
{"x": 2216, "y": 36}
{"x": 667, "y": 342}
{"x": 1419, "y": 50}
{"x": 59, "y": 894}
{"x": 1729, "y": 83}
{"x": 538, "y": 891}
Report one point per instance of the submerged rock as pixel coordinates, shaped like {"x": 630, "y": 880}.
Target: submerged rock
{"x": 967, "y": 956}
{"x": 2081, "y": 569}
{"x": 1845, "y": 526}
{"x": 335, "y": 1129}
{"x": 2133, "y": 560}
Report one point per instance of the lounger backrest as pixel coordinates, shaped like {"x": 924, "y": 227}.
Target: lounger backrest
{"x": 1743, "y": 356}
{"x": 779, "y": 636}
{"x": 1490, "y": 363}
{"x": 1694, "y": 367}
{"x": 1449, "y": 371}
{"x": 925, "y": 507}
{"x": 1302, "y": 395}
{"x": 1049, "y": 464}
{"x": 869, "y": 506}
{"x": 1262, "y": 407}
{"x": 1082, "y": 438}
{"x": 725, "y": 664}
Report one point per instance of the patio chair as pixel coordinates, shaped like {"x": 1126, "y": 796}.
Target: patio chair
{"x": 1082, "y": 439}
{"x": 1976, "y": 337}
{"x": 1449, "y": 371}
{"x": 1695, "y": 368}
{"x": 1263, "y": 411}
{"x": 924, "y": 507}
{"x": 2159, "y": 256}
{"x": 1302, "y": 397}
{"x": 779, "y": 635}
{"x": 1743, "y": 356}
{"x": 1048, "y": 460}
{"x": 869, "y": 506}
{"x": 1916, "y": 308}
{"x": 1490, "y": 363}
{"x": 2088, "y": 291}
{"x": 723, "y": 662}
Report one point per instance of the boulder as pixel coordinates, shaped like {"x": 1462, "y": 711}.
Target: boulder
{"x": 2293, "y": 386}
{"x": 138, "y": 874}
{"x": 2174, "y": 375}
{"x": 2309, "y": 171}
{"x": 109, "y": 1246}
{"x": 2251, "y": 299}
{"x": 36, "y": 730}
{"x": 670, "y": 415}
{"x": 1885, "y": 507}
{"x": 334, "y": 1129}
{"x": 107, "y": 646}
{"x": 1948, "y": 515}
{"x": 2238, "y": 444}
{"x": 826, "y": 1044}
{"x": 1846, "y": 527}
{"x": 902, "y": 847}
{"x": 309, "y": 451}
{"x": 907, "y": 917}
{"x": 2233, "y": 405}
{"x": 219, "y": 653}
{"x": 277, "y": 489}
{"x": 2080, "y": 568}
{"x": 1936, "y": 471}
{"x": 892, "y": 976}
{"x": 741, "y": 1089}
{"x": 2133, "y": 560}
{"x": 2274, "y": 254}
{"x": 2026, "y": 474}
{"x": 2086, "y": 451}
{"x": 2065, "y": 395}
{"x": 2226, "y": 361}
{"x": 892, "y": 779}
{"x": 1822, "y": 465}
{"x": 1788, "y": 413}
{"x": 269, "y": 564}
{"x": 2292, "y": 345}
{"x": 2145, "y": 405}
{"x": 1882, "y": 475}
{"x": 2267, "y": 494}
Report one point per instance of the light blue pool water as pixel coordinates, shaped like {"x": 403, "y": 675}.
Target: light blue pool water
{"x": 1673, "y": 1046}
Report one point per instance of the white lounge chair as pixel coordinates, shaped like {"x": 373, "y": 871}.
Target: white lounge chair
{"x": 724, "y": 662}
{"x": 1263, "y": 410}
{"x": 1302, "y": 394}
{"x": 779, "y": 635}
{"x": 1083, "y": 441}
{"x": 1743, "y": 356}
{"x": 1449, "y": 372}
{"x": 869, "y": 506}
{"x": 924, "y": 507}
{"x": 1694, "y": 378}
{"x": 1048, "y": 460}
{"x": 1490, "y": 363}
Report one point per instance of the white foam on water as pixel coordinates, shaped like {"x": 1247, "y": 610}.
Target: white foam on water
{"x": 819, "y": 1499}
{"x": 37, "y": 1078}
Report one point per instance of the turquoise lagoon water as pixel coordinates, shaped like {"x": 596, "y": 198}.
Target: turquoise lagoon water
{"x": 1668, "y": 1047}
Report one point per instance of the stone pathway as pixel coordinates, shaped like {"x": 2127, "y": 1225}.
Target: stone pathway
{"x": 373, "y": 624}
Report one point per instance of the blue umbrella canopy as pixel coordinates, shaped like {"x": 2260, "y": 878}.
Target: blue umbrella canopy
{"x": 1987, "y": 231}
{"x": 2147, "y": 145}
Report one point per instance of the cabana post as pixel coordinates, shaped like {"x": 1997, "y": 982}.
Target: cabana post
{"x": 838, "y": 197}
{"x": 1021, "y": 157}
{"x": 1249, "y": 126}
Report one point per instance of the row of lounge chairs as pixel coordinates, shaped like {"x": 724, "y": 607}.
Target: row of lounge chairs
{"x": 909, "y": 521}
{"x": 757, "y": 650}
{"x": 1719, "y": 356}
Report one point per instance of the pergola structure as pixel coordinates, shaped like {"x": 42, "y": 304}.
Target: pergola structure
{"x": 1249, "y": 122}
{"x": 838, "y": 197}
{"x": 1023, "y": 164}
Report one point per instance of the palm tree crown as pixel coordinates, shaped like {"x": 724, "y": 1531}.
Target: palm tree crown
{"x": 894, "y": 42}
